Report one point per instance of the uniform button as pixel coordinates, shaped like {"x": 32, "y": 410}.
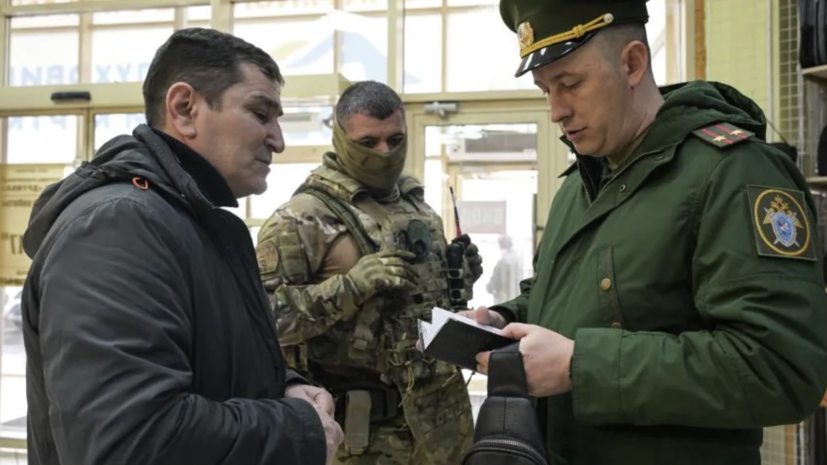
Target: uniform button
{"x": 623, "y": 188}
{"x": 616, "y": 325}
{"x": 606, "y": 284}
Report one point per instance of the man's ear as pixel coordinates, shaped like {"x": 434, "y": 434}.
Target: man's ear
{"x": 634, "y": 61}
{"x": 180, "y": 109}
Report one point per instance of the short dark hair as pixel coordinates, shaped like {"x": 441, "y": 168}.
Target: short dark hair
{"x": 369, "y": 98}
{"x": 208, "y": 60}
{"x": 614, "y": 38}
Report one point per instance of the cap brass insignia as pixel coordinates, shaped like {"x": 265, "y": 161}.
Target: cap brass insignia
{"x": 525, "y": 34}
{"x": 781, "y": 226}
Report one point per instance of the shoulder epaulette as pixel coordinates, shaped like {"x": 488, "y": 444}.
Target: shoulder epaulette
{"x": 723, "y": 134}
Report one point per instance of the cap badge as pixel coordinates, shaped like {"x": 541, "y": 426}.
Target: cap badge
{"x": 525, "y": 34}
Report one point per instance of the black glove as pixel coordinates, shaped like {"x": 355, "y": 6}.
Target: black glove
{"x": 472, "y": 258}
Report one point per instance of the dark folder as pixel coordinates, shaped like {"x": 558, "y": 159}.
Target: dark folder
{"x": 457, "y": 340}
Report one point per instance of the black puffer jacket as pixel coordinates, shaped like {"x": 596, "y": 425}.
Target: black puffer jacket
{"x": 148, "y": 334}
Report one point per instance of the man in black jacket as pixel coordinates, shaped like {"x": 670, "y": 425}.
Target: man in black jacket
{"x": 148, "y": 334}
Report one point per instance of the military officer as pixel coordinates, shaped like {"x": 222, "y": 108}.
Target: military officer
{"x": 351, "y": 262}
{"x": 678, "y": 303}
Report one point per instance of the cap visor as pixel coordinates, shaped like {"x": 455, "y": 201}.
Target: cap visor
{"x": 550, "y": 54}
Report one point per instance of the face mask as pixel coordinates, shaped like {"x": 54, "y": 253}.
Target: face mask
{"x": 375, "y": 170}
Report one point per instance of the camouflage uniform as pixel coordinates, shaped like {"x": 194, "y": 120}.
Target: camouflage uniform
{"x": 363, "y": 350}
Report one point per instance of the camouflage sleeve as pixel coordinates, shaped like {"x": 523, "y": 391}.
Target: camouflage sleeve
{"x": 291, "y": 250}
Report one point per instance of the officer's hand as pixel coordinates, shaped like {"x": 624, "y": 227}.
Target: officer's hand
{"x": 382, "y": 272}
{"x": 486, "y": 317}
{"x": 546, "y": 357}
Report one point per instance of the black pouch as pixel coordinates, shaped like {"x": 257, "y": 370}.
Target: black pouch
{"x": 507, "y": 430}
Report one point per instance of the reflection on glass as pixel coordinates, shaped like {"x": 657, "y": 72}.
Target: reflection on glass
{"x": 261, "y": 9}
{"x": 434, "y": 185}
{"x": 501, "y": 197}
{"x": 110, "y": 125}
{"x": 146, "y": 15}
{"x": 199, "y": 13}
{"x": 43, "y": 139}
{"x": 422, "y": 56}
{"x": 496, "y": 143}
{"x": 307, "y": 125}
{"x": 365, "y": 5}
{"x": 516, "y": 189}
{"x": 499, "y": 44}
{"x": 364, "y": 46}
{"x": 282, "y": 182}
{"x": 299, "y": 47}
{"x": 111, "y": 64}
{"x": 54, "y": 62}
{"x": 13, "y": 379}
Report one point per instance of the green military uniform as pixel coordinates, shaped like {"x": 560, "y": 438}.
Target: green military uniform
{"x": 362, "y": 346}
{"x": 689, "y": 277}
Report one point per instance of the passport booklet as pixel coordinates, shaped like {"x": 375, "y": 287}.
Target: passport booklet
{"x": 457, "y": 340}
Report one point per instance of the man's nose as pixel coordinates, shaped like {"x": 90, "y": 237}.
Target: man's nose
{"x": 382, "y": 146}
{"x": 559, "y": 109}
{"x": 275, "y": 140}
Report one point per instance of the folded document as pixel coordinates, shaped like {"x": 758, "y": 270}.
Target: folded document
{"x": 457, "y": 340}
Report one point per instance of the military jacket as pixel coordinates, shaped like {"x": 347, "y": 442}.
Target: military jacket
{"x": 339, "y": 339}
{"x": 691, "y": 283}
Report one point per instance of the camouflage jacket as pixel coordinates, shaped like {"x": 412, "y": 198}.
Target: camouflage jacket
{"x": 339, "y": 339}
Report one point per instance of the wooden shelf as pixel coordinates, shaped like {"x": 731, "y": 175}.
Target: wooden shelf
{"x": 816, "y": 73}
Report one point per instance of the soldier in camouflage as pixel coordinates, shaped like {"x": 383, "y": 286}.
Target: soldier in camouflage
{"x": 351, "y": 262}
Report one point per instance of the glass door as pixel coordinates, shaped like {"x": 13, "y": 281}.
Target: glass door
{"x": 502, "y": 168}
{"x": 35, "y": 151}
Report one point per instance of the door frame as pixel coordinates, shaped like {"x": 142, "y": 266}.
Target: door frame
{"x": 552, "y": 156}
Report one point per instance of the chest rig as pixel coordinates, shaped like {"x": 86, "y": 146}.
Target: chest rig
{"x": 383, "y": 335}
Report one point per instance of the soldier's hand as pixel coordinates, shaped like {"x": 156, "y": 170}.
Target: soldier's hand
{"x": 382, "y": 272}
{"x": 472, "y": 257}
{"x": 485, "y": 316}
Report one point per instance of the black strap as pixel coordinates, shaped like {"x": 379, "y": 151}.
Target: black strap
{"x": 506, "y": 373}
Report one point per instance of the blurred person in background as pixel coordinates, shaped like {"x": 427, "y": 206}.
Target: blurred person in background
{"x": 504, "y": 284}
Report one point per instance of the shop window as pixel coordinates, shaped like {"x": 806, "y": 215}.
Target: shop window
{"x": 482, "y": 62}
{"x": 42, "y": 139}
{"x": 43, "y": 50}
{"x": 423, "y": 53}
{"x": 364, "y": 47}
{"x": 282, "y": 182}
{"x": 199, "y": 14}
{"x": 111, "y": 125}
{"x": 299, "y": 47}
{"x": 166, "y": 15}
{"x": 281, "y": 8}
{"x": 365, "y": 5}
{"x": 111, "y": 64}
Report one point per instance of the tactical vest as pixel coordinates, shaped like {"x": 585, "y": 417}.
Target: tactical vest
{"x": 382, "y": 337}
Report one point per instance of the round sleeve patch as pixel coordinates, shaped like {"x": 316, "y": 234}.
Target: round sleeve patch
{"x": 268, "y": 257}
{"x": 779, "y": 218}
